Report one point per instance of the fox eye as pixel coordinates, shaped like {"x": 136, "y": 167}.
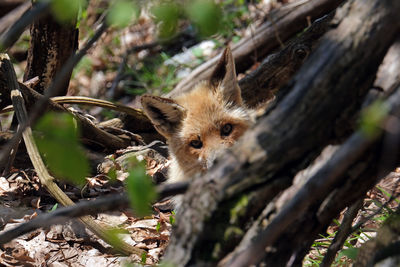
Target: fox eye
{"x": 196, "y": 144}
{"x": 226, "y": 129}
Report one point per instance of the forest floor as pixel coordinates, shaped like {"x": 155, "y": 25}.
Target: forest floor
{"x": 110, "y": 71}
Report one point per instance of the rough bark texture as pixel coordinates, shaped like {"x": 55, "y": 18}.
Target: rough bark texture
{"x": 314, "y": 110}
{"x": 51, "y": 45}
{"x": 277, "y": 69}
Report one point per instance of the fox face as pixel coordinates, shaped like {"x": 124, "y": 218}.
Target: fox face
{"x": 200, "y": 124}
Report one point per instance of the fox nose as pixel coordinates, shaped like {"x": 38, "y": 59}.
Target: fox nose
{"x": 208, "y": 161}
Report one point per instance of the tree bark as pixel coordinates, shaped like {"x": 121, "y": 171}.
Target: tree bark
{"x": 51, "y": 45}
{"x": 315, "y": 109}
{"x": 277, "y": 69}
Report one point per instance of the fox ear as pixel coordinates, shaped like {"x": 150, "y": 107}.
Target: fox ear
{"x": 224, "y": 78}
{"x": 165, "y": 114}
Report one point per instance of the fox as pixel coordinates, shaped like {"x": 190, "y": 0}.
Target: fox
{"x": 200, "y": 124}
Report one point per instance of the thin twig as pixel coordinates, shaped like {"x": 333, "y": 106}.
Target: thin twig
{"x": 344, "y": 231}
{"x": 84, "y": 208}
{"x": 12, "y": 17}
{"x": 393, "y": 196}
{"x": 11, "y": 36}
{"x": 90, "y": 102}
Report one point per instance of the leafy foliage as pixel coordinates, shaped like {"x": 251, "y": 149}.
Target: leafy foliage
{"x": 57, "y": 139}
{"x": 206, "y": 15}
{"x": 66, "y": 11}
{"x": 122, "y": 12}
{"x": 372, "y": 117}
{"x": 166, "y": 14}
{"x": 140, "y": 189}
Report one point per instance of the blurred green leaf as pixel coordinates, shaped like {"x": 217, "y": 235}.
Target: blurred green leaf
{"x": 166, "y": 14}
{"x": 140, "y": 190}
{"x": 144, "y": 257}
{"x": 206, "y": 15}
{"x": 350, "y": 253}
{"x": 172, "y": 218}
{"x": 198, "y": 52}
{"x": 112, "y": 174}
{"x": 112, "y": 237}
{"x": 122, "y": 13}
{"x": 54, "y": 207}
{"x": 372, "y": 117}
{"x": 56, "y": 138}
{"x": 66, "y": 11}
{"x": 235, "y": 39}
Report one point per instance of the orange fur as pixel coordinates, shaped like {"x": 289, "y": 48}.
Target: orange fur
{"x": 211, "y": 114}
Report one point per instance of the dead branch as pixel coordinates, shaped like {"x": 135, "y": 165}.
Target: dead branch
{"x": 7, "y": 6}
{"x": 342, "y": 234}
{"x": 277, "y": 69}
{"x": 90, "y": 133}
{"x": 8, "y": 38}
{"x": 12, "y": 17}
{"x": 92, "y": 207}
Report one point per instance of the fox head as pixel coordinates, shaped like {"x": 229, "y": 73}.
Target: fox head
{"x": 199, "y": 124}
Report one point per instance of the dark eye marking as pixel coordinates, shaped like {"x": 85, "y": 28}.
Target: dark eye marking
{"x": 196, "y": 143}
{"x": 226, "y": 130}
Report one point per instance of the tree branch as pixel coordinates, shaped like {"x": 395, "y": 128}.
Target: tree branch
{"x": 91, "y": 207}
{"x": 316, "y": 107}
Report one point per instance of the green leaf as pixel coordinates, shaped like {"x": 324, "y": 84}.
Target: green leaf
{"x": 112, "y": 237}
{"x": 122, "y": 13}
{"x": 66, "y": 11}
{"x": 54, "y": 207}
{"x": 57, "y": 140}
{"x": 206, "y": 15}
{"x": 140, "y": 190}
{"x": 166, "y": 15}
{"x": 144, "y": 257}
{"x": 112, "y": 174}
{"x": 372, "y": 117}
{"x": 172, "y": 218}
{"x": 158, "y": 227}
{"x": 198, "y": 52}
{"x": 350, "y": 253}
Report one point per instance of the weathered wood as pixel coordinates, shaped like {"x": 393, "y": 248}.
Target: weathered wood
{"x": 52, "y": 44}
{"x": 387, "y": 79}
{"x": 284, "y": 22}
{"x": 91, "y": 134}
{"x": 8, "y": 38}
{"x": 8, "y": 5}
{"x": 13, "y": 16}
{"x": 308, "y": 114}
{"x": 277, "y": 69}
